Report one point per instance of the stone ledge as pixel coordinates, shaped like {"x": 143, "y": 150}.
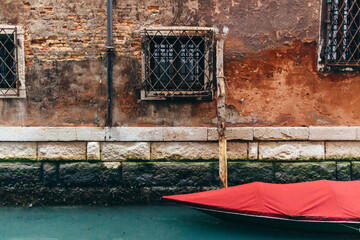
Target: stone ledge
{"x": 281, "y": 133}
{"x": 333, "y": 133}
{"x": 51, "y": 134}
{"x": 135, "y": 134}
{"x": 358, "y": 133}
{"x": 232, "y": 133}
{"x": 158, "y": 134}
{"x": 185, "y": 134}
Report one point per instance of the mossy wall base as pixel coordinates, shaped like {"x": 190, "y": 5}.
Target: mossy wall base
{"x": 80, "y": 183}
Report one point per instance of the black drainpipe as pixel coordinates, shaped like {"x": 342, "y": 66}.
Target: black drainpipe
{"x": 110, "y": 61}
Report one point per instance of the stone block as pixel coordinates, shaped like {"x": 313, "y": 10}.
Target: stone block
{"x": 19, "y": 134}
{"x": 90, "y": 134}
{"x": 240, "y": 133}
{"x": 184, "y": 150}
{"x": 253, "y": 150}
{"x": 281, "y": 133}
{"x": 112, "y": 165}
{"x": 50, "y": 174}
{"x": 291, "y": 150}
{"x": 237, "y": 150}
{"x": 303, "y": 172}
{"x": 247, "y": 172}
{"x": 213, "y": 134}
{"x": 93, "y": 151}
{"x": 232, "y": 133}
{"x": 167, "y": 174}
{"x": 196, "y": 150}
{"x": 355, "y": 170}
{"x": 20, "y": 174}
{"x": 341, "y": 150}
{"x": 135, "y": 134}
{"x": 60, "y": 134}
{"x": 18, "y": 150}
{"x": 357, "y": 133}
{"x": 343, "y": 171}
{"x": 88, "y": 174}
{"x": 332, "y": 133}
{"x": 62, "y": 151}
{"x": 185, "y": 134}
{"x": 46, "y": 134}
{"x": 121, "y": 151}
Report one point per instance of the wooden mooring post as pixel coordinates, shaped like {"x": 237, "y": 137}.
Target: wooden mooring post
{"x": 223, "y": 173}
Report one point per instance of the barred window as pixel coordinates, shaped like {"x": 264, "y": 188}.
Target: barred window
{"x": 342, "y": 34}
{"x": 9, "y": 81}
{"x": 177, "y": 63}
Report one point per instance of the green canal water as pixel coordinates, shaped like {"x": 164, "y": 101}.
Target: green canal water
{"x": 167, "y": 222}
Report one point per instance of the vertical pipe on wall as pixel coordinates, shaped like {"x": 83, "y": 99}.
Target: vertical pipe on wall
{"x": 110, "y": 61}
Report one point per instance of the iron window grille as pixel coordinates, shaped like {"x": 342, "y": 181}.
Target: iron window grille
{"x": 9, "y": 74}
{"x": 342, "y": 34}
{"x": 177, "y": 63}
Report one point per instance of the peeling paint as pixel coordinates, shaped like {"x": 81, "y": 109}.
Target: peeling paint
{"x": 270, "y": 57}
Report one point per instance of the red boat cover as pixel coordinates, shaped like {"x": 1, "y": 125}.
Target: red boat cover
{"x": 318, "y": 201}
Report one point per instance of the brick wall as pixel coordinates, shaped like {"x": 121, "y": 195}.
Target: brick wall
{"x": 269, "y": 64}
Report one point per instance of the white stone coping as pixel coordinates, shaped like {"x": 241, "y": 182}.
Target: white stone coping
{"x": 51, "y": 134}
{"x": 334, "y": 133}
{"x": 170, "y": 134}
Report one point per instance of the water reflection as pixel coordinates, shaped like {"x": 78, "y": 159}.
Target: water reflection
{"x": 133, "y": 223}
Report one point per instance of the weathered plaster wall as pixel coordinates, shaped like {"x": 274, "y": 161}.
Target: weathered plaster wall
{"x": 283, "y": 88}
{"x": 270, "y": 62}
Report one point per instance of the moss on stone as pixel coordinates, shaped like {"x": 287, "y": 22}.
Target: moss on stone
{"x": 11, "y": 160}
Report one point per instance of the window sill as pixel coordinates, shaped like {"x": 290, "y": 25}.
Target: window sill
{"x": 22, "y": 94}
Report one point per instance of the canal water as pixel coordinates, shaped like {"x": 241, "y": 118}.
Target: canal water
{"x": 165, "y": 222}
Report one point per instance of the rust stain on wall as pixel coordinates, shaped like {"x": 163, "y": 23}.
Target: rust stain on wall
{"x": 282, "y": 87}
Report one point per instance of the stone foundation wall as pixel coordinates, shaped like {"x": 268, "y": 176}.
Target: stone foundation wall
{"x": 56, "y": 166}
{"x": 113, "y": 183}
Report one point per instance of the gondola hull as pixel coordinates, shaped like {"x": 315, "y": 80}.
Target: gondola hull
{"x": 311, "y": 226}
{"x": 321, "y": 206}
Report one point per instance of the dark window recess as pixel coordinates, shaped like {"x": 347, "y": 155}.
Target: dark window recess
{"x": 342, "y": 33}
{"x": 178, "y": 63}
{"x": 8, "y": 62}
